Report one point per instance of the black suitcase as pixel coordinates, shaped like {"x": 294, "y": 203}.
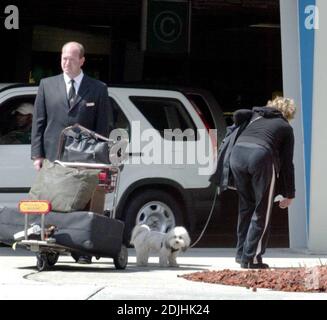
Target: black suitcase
{"x": 82, "y": 231}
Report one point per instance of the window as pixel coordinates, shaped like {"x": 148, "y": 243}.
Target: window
{"x": 165, "y": 113}
{"x": 199, "y": 102}
{"x": 120, "y": 120}
{"x": 16, "y": 121}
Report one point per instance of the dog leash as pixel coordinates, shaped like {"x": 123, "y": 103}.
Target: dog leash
{"x": 206, "y": 225}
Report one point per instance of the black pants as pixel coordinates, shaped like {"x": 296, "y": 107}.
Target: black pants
{"x": 254, "y": 174}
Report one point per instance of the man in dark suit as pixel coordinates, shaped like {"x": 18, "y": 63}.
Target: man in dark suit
{"x": 63, "y": 100}
{"x": 67, "y": 99}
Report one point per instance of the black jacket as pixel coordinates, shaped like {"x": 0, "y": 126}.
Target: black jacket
{"x": 223, "y": 177}
{"x": 272, "y": 131}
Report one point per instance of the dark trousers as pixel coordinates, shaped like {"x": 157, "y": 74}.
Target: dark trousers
{"x": 254, "y": 174}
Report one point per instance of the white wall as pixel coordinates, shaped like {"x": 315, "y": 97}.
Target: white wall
{"x": 292, "y": 88}
{"x": 318, "y": 210}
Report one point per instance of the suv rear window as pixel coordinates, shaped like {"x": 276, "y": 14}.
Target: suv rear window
{"x": 120, "y": 120}
{"x": 164, "y": 113}
{"x": 203, "y": 106}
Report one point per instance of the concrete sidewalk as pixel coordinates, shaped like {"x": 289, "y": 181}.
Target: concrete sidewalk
{"x": 19, "y": 278}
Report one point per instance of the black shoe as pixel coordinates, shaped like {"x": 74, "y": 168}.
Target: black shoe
{"x": 238, "y": 260}
{"x": 84, "y": 260}
{"x": 250, "y": 265}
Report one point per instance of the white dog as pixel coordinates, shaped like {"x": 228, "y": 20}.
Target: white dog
{"x": 168, "y": 245}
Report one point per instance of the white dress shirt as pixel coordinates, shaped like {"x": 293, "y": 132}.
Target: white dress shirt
{"x": 77, "y": 82}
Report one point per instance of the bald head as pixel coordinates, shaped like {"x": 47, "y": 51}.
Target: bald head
{"x": 72, "y": 58}
{"x": 74, "y": 46}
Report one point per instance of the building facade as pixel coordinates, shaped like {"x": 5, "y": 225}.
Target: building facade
{"x": 303, "y": 32}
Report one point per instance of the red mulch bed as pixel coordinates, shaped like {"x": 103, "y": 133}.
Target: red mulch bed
{"x": 293, "y": 279}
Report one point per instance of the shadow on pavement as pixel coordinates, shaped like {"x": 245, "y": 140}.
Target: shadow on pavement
{"x": 132, "y": 268}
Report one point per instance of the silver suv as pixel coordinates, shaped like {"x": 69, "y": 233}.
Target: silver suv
{"x": 170, "y": 156}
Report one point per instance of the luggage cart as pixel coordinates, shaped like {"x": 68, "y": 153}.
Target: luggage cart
{"x": 46, "y": 249}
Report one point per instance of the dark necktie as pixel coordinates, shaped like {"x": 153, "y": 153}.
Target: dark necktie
{"x": 71, "y": 93}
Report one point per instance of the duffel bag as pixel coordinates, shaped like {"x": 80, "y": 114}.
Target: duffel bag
{"x": 68, "y": 189}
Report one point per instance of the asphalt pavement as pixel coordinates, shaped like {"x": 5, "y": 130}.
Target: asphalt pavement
{"x": 67, "y": 280}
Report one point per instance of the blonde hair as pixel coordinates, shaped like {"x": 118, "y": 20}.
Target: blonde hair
{"x": 285, "y": 105}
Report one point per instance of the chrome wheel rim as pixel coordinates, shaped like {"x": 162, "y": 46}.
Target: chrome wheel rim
{"x": 157, "y": 215}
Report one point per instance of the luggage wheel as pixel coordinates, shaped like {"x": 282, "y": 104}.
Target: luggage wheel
{"x": 52, "y": 258}
{"x": 45, "y": 260}
{"x": 121, "y": 259}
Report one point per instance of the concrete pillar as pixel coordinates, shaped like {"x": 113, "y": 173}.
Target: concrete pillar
{"x": 318, "y": 195}
{"x": 292, "y": 72}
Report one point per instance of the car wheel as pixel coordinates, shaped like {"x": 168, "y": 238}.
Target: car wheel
{"x": 155, "y": 208}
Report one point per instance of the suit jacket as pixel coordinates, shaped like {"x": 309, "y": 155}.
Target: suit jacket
{"x": 52, "y": 113}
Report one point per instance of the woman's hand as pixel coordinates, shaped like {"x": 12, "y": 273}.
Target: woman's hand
{"x": 285, "y": 202}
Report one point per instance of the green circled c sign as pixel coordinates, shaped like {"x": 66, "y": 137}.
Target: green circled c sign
{"x": 167, "y": 26}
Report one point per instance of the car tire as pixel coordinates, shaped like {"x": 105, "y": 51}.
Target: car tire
{"x": 156, "y": 208}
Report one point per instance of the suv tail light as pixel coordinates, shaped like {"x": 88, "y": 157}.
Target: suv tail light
{"x": 104, "y": 178}
{"x": 108, "y": 180}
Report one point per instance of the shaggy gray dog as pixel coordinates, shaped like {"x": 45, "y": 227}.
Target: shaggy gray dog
{"x": 167, "y": 245}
